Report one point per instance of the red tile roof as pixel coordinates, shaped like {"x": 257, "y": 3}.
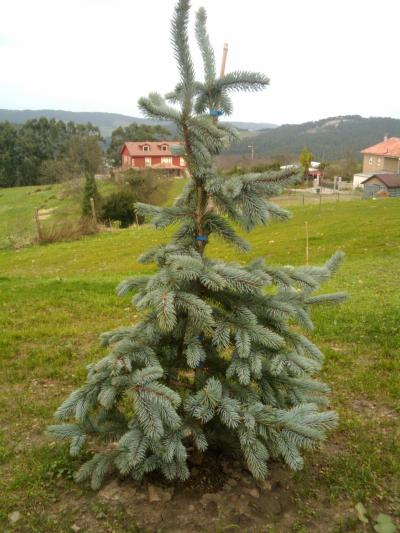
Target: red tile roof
{"x": 135, "y": 149}
{"x": 388, "y": 148}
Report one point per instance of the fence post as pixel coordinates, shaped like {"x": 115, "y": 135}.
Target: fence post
{"x": 320, "y": 200}
{"x": 38, "y": 228}
{"x": 93, "y": 208}
{"x": 303, "y": 198}
{"x": 306, "y": 243}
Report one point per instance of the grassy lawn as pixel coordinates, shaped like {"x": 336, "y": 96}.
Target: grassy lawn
{"x": 18, "y": 205}
{"x": 61, "y": 201}
{"x": 55, "y": 300}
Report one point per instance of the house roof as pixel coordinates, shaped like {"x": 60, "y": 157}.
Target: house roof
{"x": 389, "y": 148}
{"x": 390, "y": 180}
{"x": 135, "y": 149}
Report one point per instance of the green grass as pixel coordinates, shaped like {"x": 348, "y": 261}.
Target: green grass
{"x": 18, "y": 205}
{"x": 55, "y": 300}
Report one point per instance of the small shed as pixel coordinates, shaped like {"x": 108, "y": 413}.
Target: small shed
{"x": 380, "y": 184}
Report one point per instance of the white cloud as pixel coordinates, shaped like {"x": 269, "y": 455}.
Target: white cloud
{"x": 323, "y": 58}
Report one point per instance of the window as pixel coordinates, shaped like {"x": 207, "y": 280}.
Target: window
{"x": 126, "y": 159}
{"x": 182, "y": 162}
{"x": 146, "y": 148}
{"x": 379, "y": 161}
{"x": 164, "y": 147}
{"x": 147, "y": 161}
{"x": 370, "y": 160}
{"x": 166, "y": 160}
{"x": 133, "y": 162}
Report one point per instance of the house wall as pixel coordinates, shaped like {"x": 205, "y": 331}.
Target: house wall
{"x": 125, "y": 158}
{"x": 139, "y": 161}
{"x": 375, "y": 163}
{"x": 391, "y": 164}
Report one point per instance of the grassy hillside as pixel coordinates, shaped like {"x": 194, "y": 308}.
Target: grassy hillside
{"x": 18, "y": 205}
{"x": 107, "y": 122}
{"x": 57, "y": 299}
{"x": 62, "y": 202}
{"x": 329, "y": 139}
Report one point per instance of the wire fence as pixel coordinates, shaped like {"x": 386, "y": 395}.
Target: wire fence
{"x": 307, "y": 197}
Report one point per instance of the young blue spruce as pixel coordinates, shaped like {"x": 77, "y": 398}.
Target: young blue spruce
{"x": 218, "y": 359}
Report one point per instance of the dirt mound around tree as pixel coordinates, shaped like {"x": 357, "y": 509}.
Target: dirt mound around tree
{"x": 219, "y": 494}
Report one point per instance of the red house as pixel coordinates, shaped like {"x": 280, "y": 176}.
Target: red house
{"x": 153, "y": 154}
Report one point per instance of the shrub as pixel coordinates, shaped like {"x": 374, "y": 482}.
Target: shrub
{"x": 120, "y": 206}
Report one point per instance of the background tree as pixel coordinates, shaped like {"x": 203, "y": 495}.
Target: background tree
{"x": 218, "y": 358}
{"x": 305, "y": 159}
{"x": 84, "y": 154}
{"x": 56, "y": 171}
{"x": 25, "y": 149}
{"x": 134, "y": 132}
{"x": 148, "y": 185}
{"x": 9, "y": 155}
{"x": 90, "y": 191}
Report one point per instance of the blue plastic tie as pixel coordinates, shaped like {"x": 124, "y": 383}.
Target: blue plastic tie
{"x": 202, "y": 238}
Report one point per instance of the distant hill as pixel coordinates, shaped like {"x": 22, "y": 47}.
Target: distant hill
{"x": 106, "y": 122}
{"x": 329, "y": 139}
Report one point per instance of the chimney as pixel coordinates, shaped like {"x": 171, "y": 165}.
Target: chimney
{"x": 385, "y": 138}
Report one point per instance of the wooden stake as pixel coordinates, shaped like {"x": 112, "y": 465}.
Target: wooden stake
{"x": 93, "y": 208}
{"x": 307, "y": 243}
{"x": 223, "y": 63}
{"x": 39, "y": 229}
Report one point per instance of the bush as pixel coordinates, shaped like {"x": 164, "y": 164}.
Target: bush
{"x": 120, "y": 206}
{"x": 148, "y": 185}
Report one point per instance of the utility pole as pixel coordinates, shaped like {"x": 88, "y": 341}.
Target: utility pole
{"x": 251, "y": 146}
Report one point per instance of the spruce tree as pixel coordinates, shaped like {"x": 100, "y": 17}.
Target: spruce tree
{"x": 218, "y": 359}
{"x": 90, "y": 191}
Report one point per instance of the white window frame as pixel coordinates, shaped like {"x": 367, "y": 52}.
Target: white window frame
{"x": 166, "y": 160}
{"x": 378, "y": 161}
{"x": 147, "y": 162}
{"x": 132, "y": 162}
{"x": 182, "y": 161}
{"x": 370, "y": 161}
{"x": 164, "y": 147}
{"x": 146, "y": 148}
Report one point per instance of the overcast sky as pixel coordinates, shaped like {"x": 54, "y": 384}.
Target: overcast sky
{"x": 324, "y": 57}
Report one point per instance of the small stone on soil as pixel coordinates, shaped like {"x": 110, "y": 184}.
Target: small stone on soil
{"x": 75, "y": 528}
{"x": 254, "y": 493}
{"x": 110, "y": 492}
{"x": 153, "y": 494}
{"x": 14, "y": 517}
{"x": 264, "y": 486}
